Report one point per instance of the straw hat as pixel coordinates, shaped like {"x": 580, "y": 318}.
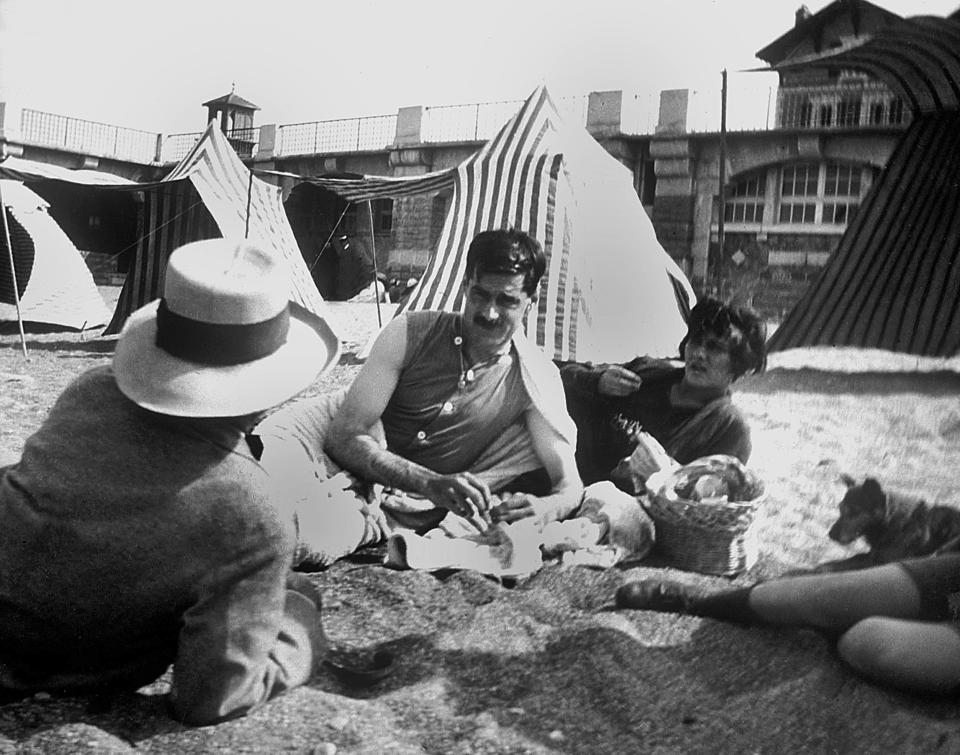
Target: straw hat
{"x": 224, "y": 341}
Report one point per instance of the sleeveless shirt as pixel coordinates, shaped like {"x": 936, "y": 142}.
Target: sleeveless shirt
{"x": 445, "y": 412}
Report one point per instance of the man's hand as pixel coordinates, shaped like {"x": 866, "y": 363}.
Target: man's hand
{"x": 464, "y": 494}
{"x": 618, "y": 381}
{"x": 516, "y": 506}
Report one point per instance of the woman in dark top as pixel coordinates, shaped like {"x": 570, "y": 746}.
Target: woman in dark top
{"x": 684, "y": 405}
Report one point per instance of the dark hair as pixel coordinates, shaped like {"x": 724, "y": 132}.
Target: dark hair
{"x": 507, "y": 252}
{"x": 748, "y": 342}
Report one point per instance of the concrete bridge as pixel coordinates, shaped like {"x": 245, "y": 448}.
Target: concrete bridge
{"x": 670, "y": 143}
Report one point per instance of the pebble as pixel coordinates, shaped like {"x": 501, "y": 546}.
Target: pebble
{"x": 557, "y": 736}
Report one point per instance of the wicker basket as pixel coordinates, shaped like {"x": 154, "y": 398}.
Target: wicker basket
{"x": 703, "y": 536}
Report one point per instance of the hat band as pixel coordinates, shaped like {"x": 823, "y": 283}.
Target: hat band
{"x": 217, "y": 343}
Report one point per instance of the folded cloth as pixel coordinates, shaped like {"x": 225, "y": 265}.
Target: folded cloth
{"x": 504, "y": 550}
{"x": 630, "y": 530}
{"x": 649, "y": 457}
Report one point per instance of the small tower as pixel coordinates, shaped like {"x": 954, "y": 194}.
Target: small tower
{"x": 235, "y": 116}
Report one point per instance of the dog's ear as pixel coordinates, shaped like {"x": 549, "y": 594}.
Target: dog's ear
{"x": 847, "y": 480}
{"x": 871, "y": 486}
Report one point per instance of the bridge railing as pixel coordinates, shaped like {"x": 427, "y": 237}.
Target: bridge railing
{"x": 479, "y": 121}
{"x": 176, "y": 146}
{"x": 372, "y": 132}
{"x": 88, "y": 137}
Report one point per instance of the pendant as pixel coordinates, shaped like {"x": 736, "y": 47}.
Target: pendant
{"x": 469, "y": 375}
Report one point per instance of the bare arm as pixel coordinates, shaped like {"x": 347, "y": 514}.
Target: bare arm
{"x": 352, "y": 443}
{"x": 558, "y": 458}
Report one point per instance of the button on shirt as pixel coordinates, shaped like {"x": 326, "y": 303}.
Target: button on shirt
{"x": 417, "y": 421}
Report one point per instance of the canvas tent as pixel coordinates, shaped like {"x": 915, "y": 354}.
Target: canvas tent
{"x": 53, "y": 284}
{"x": 209, "y": 193}
{"x": 894, "y": 280}
{"x": 611, "y": 292}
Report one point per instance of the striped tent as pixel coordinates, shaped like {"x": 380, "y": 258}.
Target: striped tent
{"x": 610, "y": 291}
{"x": 209, "y": 193}
{"x": 894, "y": 281}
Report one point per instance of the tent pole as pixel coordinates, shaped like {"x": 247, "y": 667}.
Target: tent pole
{"x": 246, "y": 228}
{"x": 13, "y": 273}
{"x": 376, "y": 277}
{"x": 718, "y": 272}
{"x": 324, "y": 247}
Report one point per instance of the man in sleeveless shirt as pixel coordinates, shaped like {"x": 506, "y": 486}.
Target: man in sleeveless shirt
{"x": 452, "y": 415}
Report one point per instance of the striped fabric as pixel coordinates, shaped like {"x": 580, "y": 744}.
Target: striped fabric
{"x": 511, "y": 182}
{"x": 18, "y": 169}
{"x": 380, "y": 187}
{"x": 894, "y": 281}
{"x": 609, "y": 289}
{"x": 208, "y": 194}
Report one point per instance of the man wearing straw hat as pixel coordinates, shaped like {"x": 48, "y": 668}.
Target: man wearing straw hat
{"x": 139, "y": 528}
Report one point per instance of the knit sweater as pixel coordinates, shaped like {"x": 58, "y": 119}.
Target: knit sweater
{"x": 606, "y": 425}
{"x": 132, "y": 540}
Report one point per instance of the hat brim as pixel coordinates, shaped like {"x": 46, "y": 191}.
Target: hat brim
{"x": 160, "y": 382}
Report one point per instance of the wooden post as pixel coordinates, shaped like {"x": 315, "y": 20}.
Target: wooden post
{"x": 723, "y": 183}
{"x": 373, "y": 248}
{"x": 13, "y": 273}
{"x": 246, "y": 228}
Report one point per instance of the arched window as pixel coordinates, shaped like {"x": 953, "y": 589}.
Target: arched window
{"x": 825, "y": 193}
{"x": 744, "y": 199}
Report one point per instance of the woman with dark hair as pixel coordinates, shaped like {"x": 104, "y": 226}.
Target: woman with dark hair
{"x": 685, "y": 406}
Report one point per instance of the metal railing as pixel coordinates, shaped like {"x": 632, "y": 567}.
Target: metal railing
{"x": 176, "y": 146}
{"x": 750, "y": 107}
{"x": 481, "y": 120}
{"x": 88, "y": 137}
{"x": 340, "y": 135}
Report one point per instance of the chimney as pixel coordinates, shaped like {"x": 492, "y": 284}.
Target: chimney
{"x": 803, "y": 13}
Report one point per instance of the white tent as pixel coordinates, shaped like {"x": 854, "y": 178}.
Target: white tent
{"x": 209, "y": 193}
{"x": 611, "y": 292}
{"x": 54, "y": 284}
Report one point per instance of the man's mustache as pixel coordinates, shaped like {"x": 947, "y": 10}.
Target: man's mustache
{"x": 484, "y": 323}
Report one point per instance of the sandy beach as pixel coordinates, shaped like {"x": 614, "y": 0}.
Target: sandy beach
{"x": 539, "y": 666}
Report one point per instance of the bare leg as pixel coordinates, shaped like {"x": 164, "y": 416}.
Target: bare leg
{"x": 913, "y": 655}
{"x": 837, "y": 600}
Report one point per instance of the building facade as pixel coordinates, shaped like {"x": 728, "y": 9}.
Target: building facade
{"x": 791, "y": 181}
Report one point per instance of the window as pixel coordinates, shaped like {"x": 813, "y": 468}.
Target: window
{"x": 826, "y": 115}
{"x": 798, "y": 187}
{"x": 826, "y": 193}
{"x": 877, "y": 112}
{"x": 896, "y": 110}
{"x": 383, "y": 215}
{"x": 744, "y": 202}
{"x": 848, "y": 112}
{"x": 842, "y": 184}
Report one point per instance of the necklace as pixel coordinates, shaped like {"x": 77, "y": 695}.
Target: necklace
{"x": 466, "y": 373}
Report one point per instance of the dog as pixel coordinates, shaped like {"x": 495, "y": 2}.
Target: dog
{"x": 894, "y": 525}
